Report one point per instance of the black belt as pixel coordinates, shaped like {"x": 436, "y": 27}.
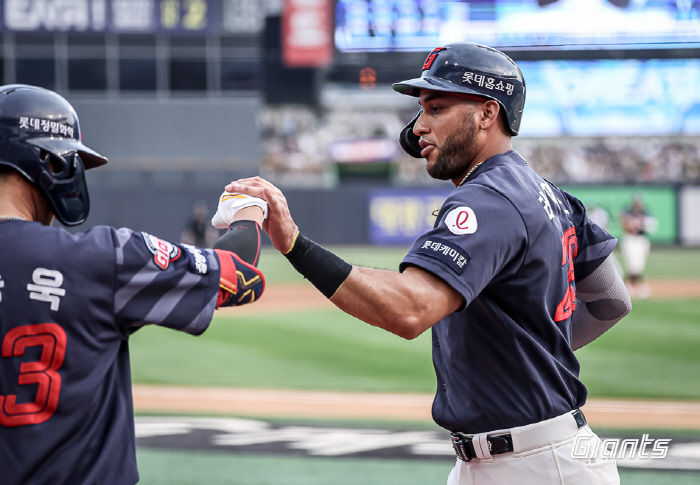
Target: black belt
{"x": 501, "y": 443}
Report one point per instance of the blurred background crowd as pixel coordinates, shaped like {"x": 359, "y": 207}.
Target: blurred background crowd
{"x": 302, "y": 147}
{"x": 184, "y": 95}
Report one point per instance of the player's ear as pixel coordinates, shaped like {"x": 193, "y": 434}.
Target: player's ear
{"x": 489, "y": 113}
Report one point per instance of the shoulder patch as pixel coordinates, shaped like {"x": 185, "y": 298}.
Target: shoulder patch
{"x": 163, "y": 251}
{"x": 461, "y": 220}
{"x": 447, "y": 252}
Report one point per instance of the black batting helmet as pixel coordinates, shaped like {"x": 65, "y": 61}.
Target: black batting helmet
{"x": 40, "y": 138}
{"x": 469, "y": 68}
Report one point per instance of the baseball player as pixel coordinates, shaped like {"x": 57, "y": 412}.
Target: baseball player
{"x": 69, "y": 302}
{"x": 635, "y": 246}
{"x": 512, "y": 279}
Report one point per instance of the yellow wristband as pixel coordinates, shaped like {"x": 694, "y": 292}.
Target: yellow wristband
{"x": 293, "y": 243}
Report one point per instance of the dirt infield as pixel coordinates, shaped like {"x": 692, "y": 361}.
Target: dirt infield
{"x": 280, "y": 298}
{"x": 677, "y": 288}
{"x": 606, "y": 413}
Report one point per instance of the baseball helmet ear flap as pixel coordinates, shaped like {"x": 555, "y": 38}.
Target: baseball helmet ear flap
{"x": 62, "y": 180}
{"x": 409, "y": 140}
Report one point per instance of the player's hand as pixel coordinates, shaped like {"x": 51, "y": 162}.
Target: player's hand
{"x": 279, "y": 225}
{"x": 230, "y": 203}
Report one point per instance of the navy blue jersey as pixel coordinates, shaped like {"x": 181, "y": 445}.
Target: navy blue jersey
{"x": 506, "y": 240}
{"x": 68, "y": 304}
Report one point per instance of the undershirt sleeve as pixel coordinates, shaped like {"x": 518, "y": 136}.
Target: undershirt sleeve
{"x": 603, "y": 301}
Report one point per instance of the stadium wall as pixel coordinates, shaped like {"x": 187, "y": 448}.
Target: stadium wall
{"x": 160, "y": 202}
{"x": 173, "y": 133}
{"x": 166, "y": 154}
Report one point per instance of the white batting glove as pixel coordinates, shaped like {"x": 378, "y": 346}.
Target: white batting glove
{"x": 230, "y": 203}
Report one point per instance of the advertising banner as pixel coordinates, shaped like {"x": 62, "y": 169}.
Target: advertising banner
{"x": 307, "y": 39}
{"x": 690, "y": 221}
{"x": 397, "y": 217}
{"x": 389, "y": 25}
{"x": 612, "y": 97}
{"x": 118, "y": 16}
{"x": 606, "y": 204}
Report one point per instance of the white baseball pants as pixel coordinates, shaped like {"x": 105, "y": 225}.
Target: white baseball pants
{"x": 542, "y": 455}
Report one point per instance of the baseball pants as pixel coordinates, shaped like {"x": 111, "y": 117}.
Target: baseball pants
{"x": 635, "y": 252}
{"x": 551, "y": 452}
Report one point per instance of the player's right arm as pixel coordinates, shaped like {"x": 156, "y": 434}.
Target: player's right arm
{"x": 405, "y": 304}
{"x": 238, "y": 249}
{"x": 179, "y": 286}
{"x": 242, "y": 217}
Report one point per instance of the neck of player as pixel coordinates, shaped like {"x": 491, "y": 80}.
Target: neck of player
{"x": 21, "y": 200}
{"x": 495, "y": 146}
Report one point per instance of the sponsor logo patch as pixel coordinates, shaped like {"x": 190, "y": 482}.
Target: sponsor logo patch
{"x": 442, "y": 249}
{"x": 197, "y": 259}
{"x": 493, "y": 83}
{"x": 163, "y": 251}
{"x": 461, "y": 220}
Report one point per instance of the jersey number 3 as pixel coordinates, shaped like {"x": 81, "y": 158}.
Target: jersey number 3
{"x": 569, "y": 247}
{"x": 43, "y": 372}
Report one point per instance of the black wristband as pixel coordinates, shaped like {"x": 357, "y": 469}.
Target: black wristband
{"x": 326, "y": 271}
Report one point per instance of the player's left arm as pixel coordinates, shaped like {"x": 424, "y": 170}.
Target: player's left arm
{"x": 603, "y": 301}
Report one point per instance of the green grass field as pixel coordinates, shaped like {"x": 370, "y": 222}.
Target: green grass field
{"x": 159, "y": 467}
{"x": 650, "y": 354}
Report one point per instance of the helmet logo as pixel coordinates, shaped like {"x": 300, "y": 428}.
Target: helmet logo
{"x": 42, "y": 125}
{"x": 491, "y": 83}
{"x": 431, "y": 57}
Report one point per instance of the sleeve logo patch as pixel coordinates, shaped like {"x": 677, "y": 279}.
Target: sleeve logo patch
{"x": 461, "y": 220}
{"x": 163, "y": 251}
{"x": 442, "y": 249}
{"x": 197, "y": 258}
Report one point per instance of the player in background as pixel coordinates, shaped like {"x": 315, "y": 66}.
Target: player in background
{"x": 601, "y": 217}
{"x": 512, "y": 279}
{"x": 635, "y": 246}
{"x": 69, "y": 302}
{"x": 197, "y": 230}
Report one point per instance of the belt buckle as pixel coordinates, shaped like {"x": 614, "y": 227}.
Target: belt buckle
{"x": 580, "y": 418}
{"x": 459, "y": 445}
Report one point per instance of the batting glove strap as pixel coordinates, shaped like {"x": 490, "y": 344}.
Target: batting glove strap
{"x": 230, "y": 203}
{"x": 239, "y": 282}
{"x": 326, "y": 271}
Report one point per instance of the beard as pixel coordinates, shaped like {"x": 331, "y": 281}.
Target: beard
{"x": 456, "y": 153}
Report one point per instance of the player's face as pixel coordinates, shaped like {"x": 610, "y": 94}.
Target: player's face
{"x": 447, "y": 131}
